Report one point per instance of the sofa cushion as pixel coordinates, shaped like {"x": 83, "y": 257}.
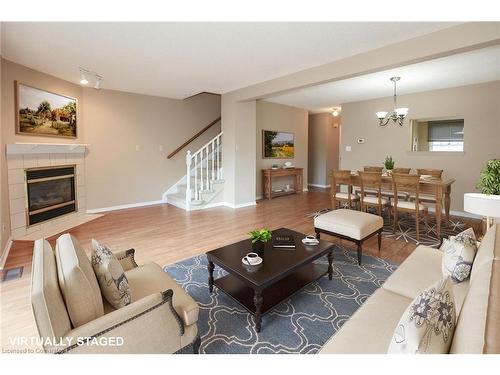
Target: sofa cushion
{"x": 150, "y": 278}
{"x": 458, "y": 255}
{"x": 350, "y": 223}
{"x": 418, "y": 271}
{"x": 427, "y": 325}
{"x": 488, "y": 250}
{"x": 478, "y": 326}
{"x": 50, "y": 313}
{"x": 370, "y": 329}
{"x": 77, "y": 281}
{"x": 110, "y": 275}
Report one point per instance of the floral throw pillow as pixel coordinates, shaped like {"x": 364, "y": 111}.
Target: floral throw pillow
{"x": 428, "y": 324}
{"x": 110, "y": 275}
{"x": 459, "y": 252}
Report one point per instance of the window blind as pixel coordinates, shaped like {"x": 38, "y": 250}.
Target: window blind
{"x": 446, "y": 131}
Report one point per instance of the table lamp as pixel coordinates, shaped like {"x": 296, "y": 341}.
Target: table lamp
{"x": 487, "y": 205}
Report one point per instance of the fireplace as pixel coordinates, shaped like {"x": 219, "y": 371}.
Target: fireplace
{"x": 50, "y": 193}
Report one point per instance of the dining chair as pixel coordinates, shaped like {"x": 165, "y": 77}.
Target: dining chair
{"x": 411, "y": 184}
{"x": 402, "y": 194}
{"x": 434, "y": 173}
{"x": 401, "y": 170}
{"x": 372, "y": 181}
{"x": 373, "y": 169}
{"x": 357, "y": 189}
{"x": 338, "y": 179}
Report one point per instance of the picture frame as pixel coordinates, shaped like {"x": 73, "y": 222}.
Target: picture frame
{"x": 45, "y": 113}
{"x": 278, "y": 144}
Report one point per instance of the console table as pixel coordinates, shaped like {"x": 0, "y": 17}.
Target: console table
{"x": 269, "y": 174}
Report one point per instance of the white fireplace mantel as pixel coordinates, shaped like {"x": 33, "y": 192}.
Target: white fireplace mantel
{"x": 45, "y": 148}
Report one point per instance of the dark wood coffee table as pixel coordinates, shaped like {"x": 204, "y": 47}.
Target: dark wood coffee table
{"x": 283, "y": 272}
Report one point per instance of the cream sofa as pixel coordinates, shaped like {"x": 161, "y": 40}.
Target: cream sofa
{"x": 371, "y": 327}
{"x": 68, "y": 306}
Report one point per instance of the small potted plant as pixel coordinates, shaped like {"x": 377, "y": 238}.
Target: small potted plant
{"x": 259, "y": 237}
{"x": 389, "y": 164}
{"x": 489, "y": 182}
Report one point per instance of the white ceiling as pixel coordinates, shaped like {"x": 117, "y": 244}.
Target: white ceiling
{"x": 181, "y": 59}
{"x": 458, "y": 70}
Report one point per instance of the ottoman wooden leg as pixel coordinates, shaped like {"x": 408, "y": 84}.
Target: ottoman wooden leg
{"x": 317, "y": 233}
{"x": 379, "y": 239}
{"x": 360, "y": 253}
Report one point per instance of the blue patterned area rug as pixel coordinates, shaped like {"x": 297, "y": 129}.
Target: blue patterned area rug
{"x": 301, "y": 324}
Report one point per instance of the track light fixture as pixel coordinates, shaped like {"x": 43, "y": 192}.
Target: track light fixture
{"x": 86, "y": 74}
{"x": 98, "y": 80}
{"x": 83, "y": 76}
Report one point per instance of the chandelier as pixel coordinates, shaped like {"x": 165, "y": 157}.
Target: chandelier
{"x": 397, "y": 115}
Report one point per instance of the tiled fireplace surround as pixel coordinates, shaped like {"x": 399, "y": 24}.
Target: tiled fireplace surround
{"x": 18, "y": 163}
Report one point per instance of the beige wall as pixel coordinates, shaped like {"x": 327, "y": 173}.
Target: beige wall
{"x": 126, "y": 131}
{"x": 324, "y": 133}
{"x": 113, "y": 123}
{"x": 237, "y": 189}
{"x": 271, "y": 116}
{"x": 479, "y": 105}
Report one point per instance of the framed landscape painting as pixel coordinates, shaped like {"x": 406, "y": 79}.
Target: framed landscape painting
{"x": 278, "y": 145}
{"x": 40, "y": 112}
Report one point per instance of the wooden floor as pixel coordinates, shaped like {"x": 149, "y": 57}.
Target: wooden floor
{"x": 165, "y": 234}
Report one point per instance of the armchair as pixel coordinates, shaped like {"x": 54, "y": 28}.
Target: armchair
{"x": 72, "y": 318}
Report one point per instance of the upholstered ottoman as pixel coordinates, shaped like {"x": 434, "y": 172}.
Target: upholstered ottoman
{"x": 351, "y": 225}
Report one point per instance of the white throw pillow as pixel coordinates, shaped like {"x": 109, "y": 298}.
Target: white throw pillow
{"x": 109, "y": 271}
{"x": 459, "y": 252}
{"x": 428, "y": 324}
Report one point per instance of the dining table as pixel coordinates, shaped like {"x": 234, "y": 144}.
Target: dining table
{"x": 440, "y": 188}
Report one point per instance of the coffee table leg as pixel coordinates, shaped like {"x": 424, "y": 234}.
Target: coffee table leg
{"x": 257, "y": 300}
{"x": 330, "y": 265}
{"x": 210, "y": 268}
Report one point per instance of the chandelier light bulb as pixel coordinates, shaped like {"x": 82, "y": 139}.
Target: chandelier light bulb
{"x": 402, "y": 111}
{"x": 381, "y": 115}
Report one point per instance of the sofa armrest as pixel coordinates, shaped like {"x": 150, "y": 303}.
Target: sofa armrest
{"x": 149, "y": 325}
{"x": 126, "y": 259}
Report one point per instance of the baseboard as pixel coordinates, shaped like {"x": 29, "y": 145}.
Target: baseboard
{"x": 124, "y": 206}
{"x": 241, "y": 205}
{"x": 458, "y": 213}
{"x": 5, "y": 253}
{"x": 320, "y": 186}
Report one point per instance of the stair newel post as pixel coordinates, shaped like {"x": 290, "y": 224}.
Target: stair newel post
{"x": 207, "y": 174}
{"x": 213, "y": 160}
{"x": 188, "y": 178}
{"x": 218, "y": 157}
{"x": 196, "y": 176}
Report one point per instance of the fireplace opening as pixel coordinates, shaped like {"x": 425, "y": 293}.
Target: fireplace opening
{"x": 51, "y": 193}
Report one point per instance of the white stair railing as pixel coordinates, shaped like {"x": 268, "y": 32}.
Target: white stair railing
{"x": 205, "y": 166}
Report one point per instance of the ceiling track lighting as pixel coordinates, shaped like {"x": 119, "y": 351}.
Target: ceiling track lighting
{"x": 397, "y": 115}
{"x": 83, "y": 76}
{"x": 98, "y": 80}
{"x": 86, "y": 74}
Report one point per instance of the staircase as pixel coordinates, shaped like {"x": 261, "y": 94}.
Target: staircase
{"x": 203, "y": 184}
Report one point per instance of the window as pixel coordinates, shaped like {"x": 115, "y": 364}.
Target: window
{"x": 438, "y": 135}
